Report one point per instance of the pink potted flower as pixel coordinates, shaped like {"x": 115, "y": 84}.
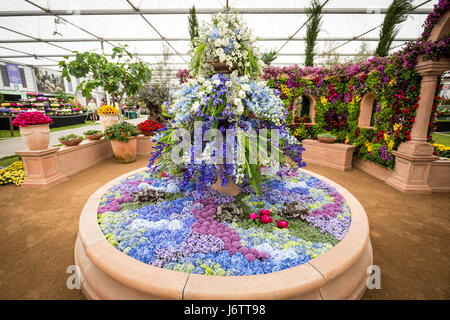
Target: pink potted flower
{"x": 34, "y": 129}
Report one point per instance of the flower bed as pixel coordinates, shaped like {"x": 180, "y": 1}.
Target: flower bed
{"x": 206, "y": 232}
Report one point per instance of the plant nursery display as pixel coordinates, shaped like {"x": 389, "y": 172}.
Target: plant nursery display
{"x": 93, "y": 134}
{"x": 149, "y": 127}
{"x": 70, "y": 140}
{"x": 123, "y": 141}
{"x": 34, "y": 129}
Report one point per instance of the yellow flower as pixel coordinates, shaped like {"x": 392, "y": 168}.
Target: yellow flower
{"x": 346, "y": 139}
{"x": 369, "y": 147}
{"x": 286, "y": 91}
{"x": 390, "y": 145}
{"x": 323, "y": 100}
{"x": 357, "y": 98}
{"x": 386, "y": 137}
{"x": 105, "y": 109}
{"x": 397, "y": 127}
{"x": 391, "y": 83}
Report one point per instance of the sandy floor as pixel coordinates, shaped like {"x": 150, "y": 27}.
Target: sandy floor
{"x": 410, "y": 234}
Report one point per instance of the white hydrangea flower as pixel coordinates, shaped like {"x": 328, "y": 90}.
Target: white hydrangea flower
{"x": 218, "y": 42}
{"x": 216, "y": 82}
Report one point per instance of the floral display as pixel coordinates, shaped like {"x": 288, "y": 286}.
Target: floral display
{"x": 31, "y": 118}
{"x": 107, "y": 110}
{"x": 149, "y": 127}
{"x": 227, "y": 40}
{"x": 122, "y": 131}
{"x": 183, "y": 75}
{"x": 189, "y": 230}
{"x": 14, "y": 173}
{"x": 442, "y": 150}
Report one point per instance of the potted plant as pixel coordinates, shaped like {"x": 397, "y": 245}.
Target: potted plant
{"x": 123, "y": 141}
{"x": 93, "y": 134}
{"x": 34, "y": 129}
{"x": 70, "y": 140}
{"x": 108, "y": 115}
{"x": 326, "y": 137}
{"x": 149, "y": 127}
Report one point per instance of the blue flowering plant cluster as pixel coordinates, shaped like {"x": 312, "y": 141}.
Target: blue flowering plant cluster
{"x": 153, "y": 220}
{"x": 227, "y": 39}
{"x": 237, "y": 127}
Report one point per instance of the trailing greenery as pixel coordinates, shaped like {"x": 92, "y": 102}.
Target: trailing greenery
{"x": 122, "y": 131}
{"x": 395, "y": 14}
{"x": 193, "y": 24}
{"x": 314, "y": 13}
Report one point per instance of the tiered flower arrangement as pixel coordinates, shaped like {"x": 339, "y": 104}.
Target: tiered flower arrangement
{"x": 107, "y": 110}
{"x": 31, "y": 118}
{"x": 339, "y": 91}
{"x": 149, "y": 127}
{"x": 228, "y": 41}
{"x": 175, "y": 216}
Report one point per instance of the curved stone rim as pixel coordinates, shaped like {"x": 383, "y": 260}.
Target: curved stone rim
{"x": 340, "y": 273}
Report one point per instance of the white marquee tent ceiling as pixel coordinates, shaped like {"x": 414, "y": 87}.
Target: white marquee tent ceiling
{"x": 27, "y": 27}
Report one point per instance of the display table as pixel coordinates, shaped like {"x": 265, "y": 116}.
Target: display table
{"x": 58, "y": 121}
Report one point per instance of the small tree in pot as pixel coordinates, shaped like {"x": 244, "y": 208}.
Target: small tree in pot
{"x": 123, "y": 141}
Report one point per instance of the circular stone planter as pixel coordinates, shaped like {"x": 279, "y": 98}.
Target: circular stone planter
{"x": 107, "y": 273}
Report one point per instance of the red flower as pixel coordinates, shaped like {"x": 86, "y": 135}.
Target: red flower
{"x": 282, "y": 224}
{"x": 253, "y": 216}
{"x": 265, "y": 219}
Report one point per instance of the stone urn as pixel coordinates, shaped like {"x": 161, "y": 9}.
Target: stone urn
{"x": 108, "y": 120}
{"x": 125, "y": 152}
{"x": 36, "y": 137}
{"x": 231, "y": 188}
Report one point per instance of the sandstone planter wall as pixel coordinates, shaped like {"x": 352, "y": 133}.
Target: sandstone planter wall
{"x": 372, "y": 168}
{"x": 107, "y": 273}
{"x": 334, "y": 155}
{"x": 48, "y": 167}
{"x": 439, "y": 179}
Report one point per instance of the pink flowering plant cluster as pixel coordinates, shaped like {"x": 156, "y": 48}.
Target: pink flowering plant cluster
{"x": 31, "y": 118}
{"x": 183, "y": 75}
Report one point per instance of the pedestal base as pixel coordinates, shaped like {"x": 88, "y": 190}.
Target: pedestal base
{"x": 42, "y": 168}
{"x": 411, "y": 173}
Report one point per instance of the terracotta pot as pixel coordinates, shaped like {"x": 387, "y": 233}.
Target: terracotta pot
{"x": 36, "y": 137}
{"x": 93, "y": 136}
{"x": 70, "y": 143}
{"x": 108, "y": 120}
{"x": 221, "y": 67}
{"x": 231, "y": 188}
{"x": 125, "y": 152}
{"x": 326, "y": 140}
{"x": 147, "y": 134}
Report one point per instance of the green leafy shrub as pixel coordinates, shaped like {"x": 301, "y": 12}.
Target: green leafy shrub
{"x": 121, "y": 132}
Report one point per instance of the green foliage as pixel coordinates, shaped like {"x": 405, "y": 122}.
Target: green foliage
{"x": 312, "y": 31}
{"x": 269, "y": 57}
{"x": 121, "y": 131}
{"x": 70, "y": 137}
{"x": 92, "y": 132}
{"x": 395, "y": 15}
{"x": 193, "y": 24}
{"x": 65, "y": 97}
{"x": 116, "y": 77}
